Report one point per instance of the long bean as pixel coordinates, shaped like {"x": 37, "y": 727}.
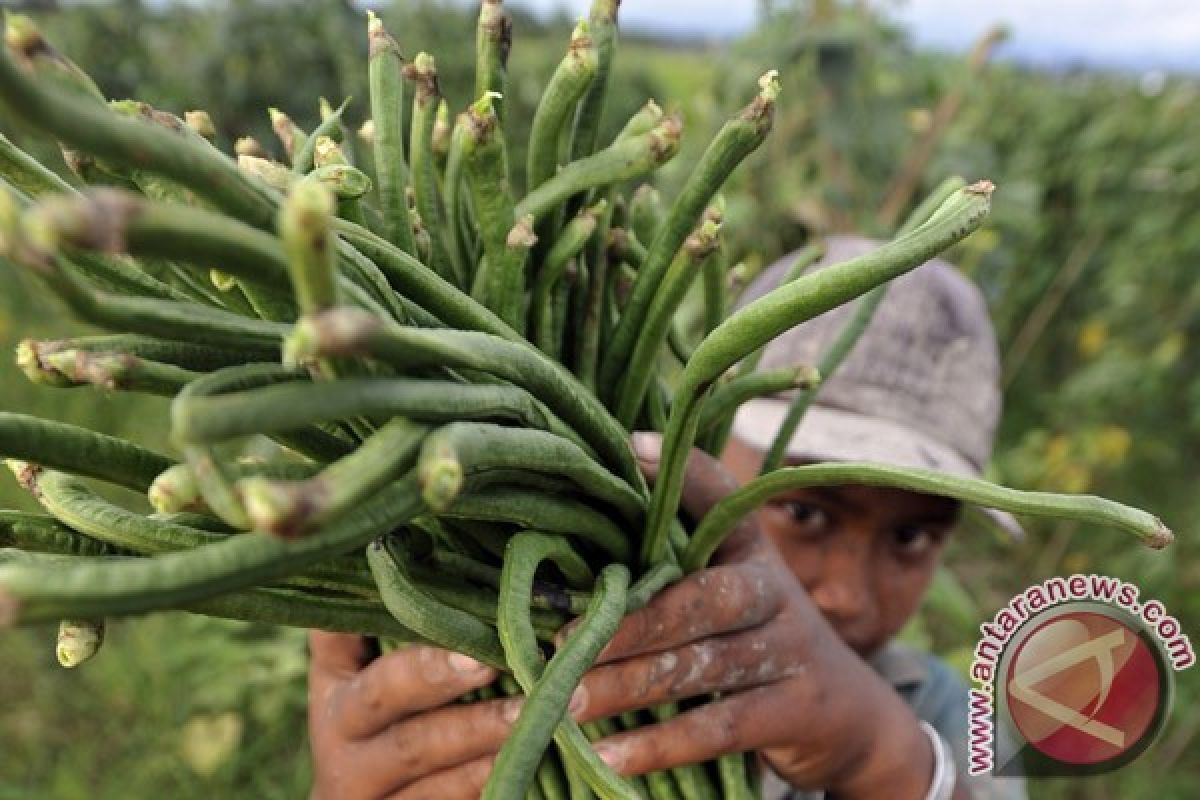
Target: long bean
{"x": 539, "y": 511}
{"x": 423, "y": 72}
{"x": 42, "y": 533}
{"x": 302, "y": 162}
{"x": 288, "y": 406}
{"x": 548, "y": 690}
{"x": 624, "y": 160}
{"x": 721, "y": 519}
{"x": 387, "y": 102}
{"x": 464, "y": 454}
{"x": 73, "y": 504}
{"x": 296, "y": 507}
{"x": 568, "y": 83}
{"x": 568, "y": 245}
{"x": 351, "y": 332}
{"x": 133, "y": 142}
{"x": 639, "y": 370}
{"x": 89, "y": 587}
{"x": 493, "y": 40}
{"x": 725, "y": 400}
{"x": 424, "y": 615}
{"x": 57, "y": 445}
{"x": 734, "y": 142}
{"x": 602, "y": 21}
{"x": 767, "y": 317}
{"x": 69, "y": 368}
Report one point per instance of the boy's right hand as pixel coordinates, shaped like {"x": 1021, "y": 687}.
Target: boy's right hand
{"x": 392, "y": 728}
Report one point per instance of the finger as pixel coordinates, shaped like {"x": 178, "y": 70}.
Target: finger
{"x": 705, "y": 483}
{"x": 465, "y": 782}
{"x": 334, "y": 659}
{"x": 403, "y": 682}
{"x": 713, "y": 601}
{"x": 338, "y": 654}
{"x": 736, "y": 724}
{"x": 716, "y": 664}
{"x": 438, "y": 740}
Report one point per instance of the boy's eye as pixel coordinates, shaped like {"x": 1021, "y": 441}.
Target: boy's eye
{"x": 807, "y": 519}
{"x": 916, "y": 540}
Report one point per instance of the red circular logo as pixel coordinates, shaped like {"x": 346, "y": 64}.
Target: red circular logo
{"x": 1084, "y": 688}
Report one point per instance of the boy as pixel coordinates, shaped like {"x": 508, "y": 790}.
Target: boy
{"x": 793, "y": 623}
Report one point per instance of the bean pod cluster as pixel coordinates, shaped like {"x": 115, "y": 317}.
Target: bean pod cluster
{"x": 402, "y": 394}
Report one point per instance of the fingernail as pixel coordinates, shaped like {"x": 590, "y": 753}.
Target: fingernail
{"x": 610, "y": 754}
{"x": 512, "y": 709}
{"x": 466, "y": 665}
{"x": 645, "y": 446}
{"x": 578, "y": 703}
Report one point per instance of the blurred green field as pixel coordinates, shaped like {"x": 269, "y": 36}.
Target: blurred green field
{"x": 1088, "y": 265}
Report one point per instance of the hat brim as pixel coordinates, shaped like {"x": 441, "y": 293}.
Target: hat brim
{"x": 830, "y": 434}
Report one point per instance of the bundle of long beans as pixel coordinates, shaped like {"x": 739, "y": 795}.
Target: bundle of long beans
{"x": 449, "y": 373}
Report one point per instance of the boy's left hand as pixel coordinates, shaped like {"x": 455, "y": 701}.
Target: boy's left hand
{"x": 792, "y": 689}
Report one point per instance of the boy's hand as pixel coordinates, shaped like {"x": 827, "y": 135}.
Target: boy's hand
{"x": 391, "y": 727}
{"x": 792, "y": 690}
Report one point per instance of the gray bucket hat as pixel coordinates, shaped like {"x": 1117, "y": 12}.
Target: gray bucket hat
{"x": 919, "y": 389}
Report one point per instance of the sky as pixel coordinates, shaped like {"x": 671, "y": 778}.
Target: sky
{"x": 1126, "y": 34}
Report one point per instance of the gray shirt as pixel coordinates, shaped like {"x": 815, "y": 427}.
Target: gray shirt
{"x": 936, "y": 695}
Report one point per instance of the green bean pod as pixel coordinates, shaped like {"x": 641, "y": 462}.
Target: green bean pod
{"x": 539, "y": 511}
{"x": 73, "y": 504}
{"x": 41, "y": 533}
{"x": 293, "y": 508}
{"x": 387, "y": 101}
{"x": 429, "y": 618}
{"x": 568, "y": 245}
{"x": 549, "y": 689}
{"x": 351, "y": 332}
{"x": 722, "y": 518}
{"x": 734, "y": 142}
{"x": 500, "y": 278}
{"x": 624, "y": 160}
{"x": 639, "y": 369}
{"x": 59, "y": 446}
{"x": 289, "y": 406}
{"x": 112, "y": 371}
{"x": 464, "y": 455}
{"x": 725, "y": 400}
{"x": 602, "y": 25}
{"x": 493, "y": 40}
{"x": 31, "y": 593}
{"x": 568, "y": 83}
{"x": 783, "y": 308}
{"x": 423, "y": 73}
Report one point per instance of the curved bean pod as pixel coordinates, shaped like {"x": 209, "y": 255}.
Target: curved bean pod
{"x": 104, "y": 587}
{"x": 351, "y": 332}
{"x": 737, "y": 139}
{"x": 722, "y": 518}
{"x": 292, "y": 508}
{"x": 568, "y": 83}
{"x": 725, "y": 400}
{"x": 786, "y": 306}
{"x": 133, "y": 142}
{"x": 621, "y": 161}
{"x": 57, "y": 445}
{"x": 464, "y": 454}
{"x": 429, "y": 618}
{"x": 543, "y": 512}
{"x": 548, "y": 690}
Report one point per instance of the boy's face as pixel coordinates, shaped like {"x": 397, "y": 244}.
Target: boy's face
{"x": 865, "y": 554}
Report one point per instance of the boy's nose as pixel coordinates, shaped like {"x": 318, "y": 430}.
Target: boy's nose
{"x": 844, "y": 594}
